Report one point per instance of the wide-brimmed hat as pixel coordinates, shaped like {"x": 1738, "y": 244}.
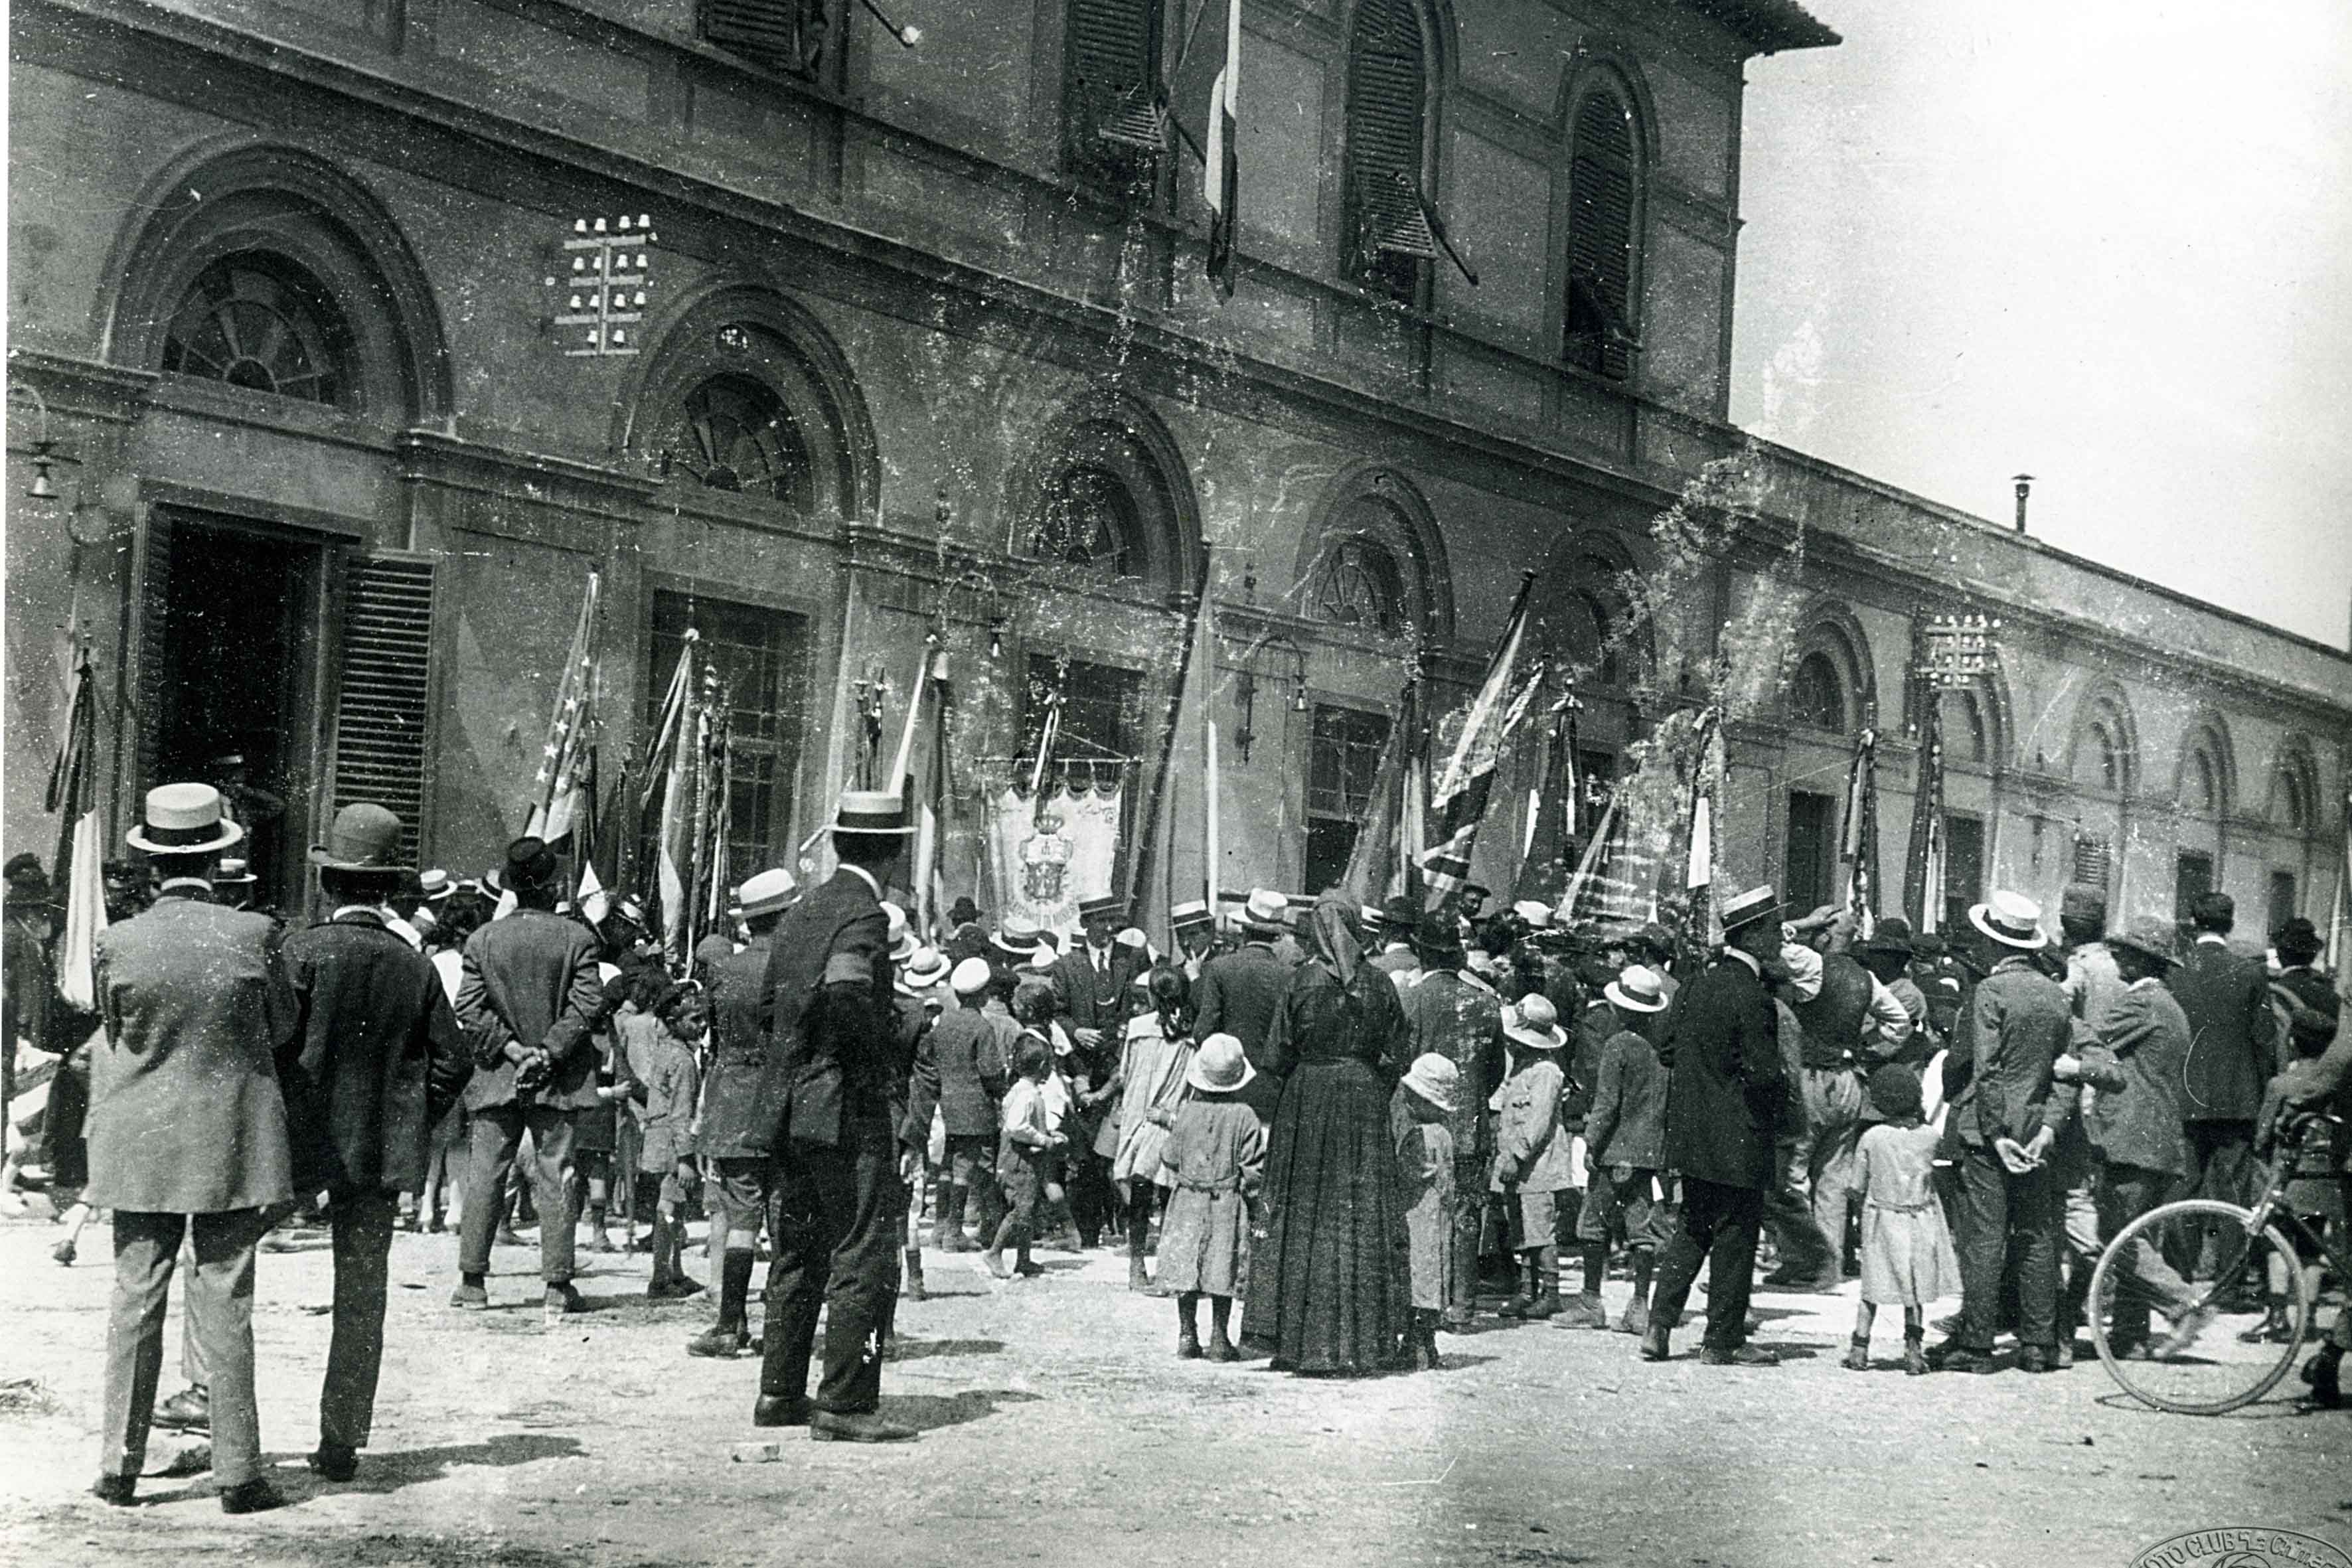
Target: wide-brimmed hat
{"x": 1638, "y": 989}
{"x": 365, "y": 837}
{"x": 971, "y": 977}
{"x": 2155, "y": 938}
{"x": 232, "y": 872}
{"x": 183, "y": 819}
{"x": 1015, "y": 934}
{"x": 1534, "y": 1023}
{"x": 1398, "y": 918}
{"x": 1264, "y": 910}
{"x": 530, "y": 864}
{"x": 765, "y": 892}
{"x": 1535, "y": 912}
{"x": 1477, "y": 890}
{"x": 2011, "y": 918}
{"x": 2299, "y": 941}
{"x": 1110, "y": 904}
{"x": 870, "y": 811}
{"x": 1436, "y": 1079}
{"x": 1891, "y": 937}
{"x": 1045, "y": 956}
{"x": 1191, "y": 915}
{"x": 1132, "y": 937}
{"x": 927, "y": 969}
{"x": 902, "y": 935}
{"x": 1743, "y": 909}
{"x": 1219, "y": 1067}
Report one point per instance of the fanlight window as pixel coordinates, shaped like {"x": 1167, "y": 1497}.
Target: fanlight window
{"x": 256, "y": 321}
{"x": 1817, "y": 697}
{"x": 1087, "y": 519}
{"x": 737, "y": 435}
{"x": 1361, "y": 588}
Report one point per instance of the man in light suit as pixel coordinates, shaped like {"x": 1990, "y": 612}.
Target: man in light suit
{"x": 187, "y": 1137}
{"x": 827, "y": 1118}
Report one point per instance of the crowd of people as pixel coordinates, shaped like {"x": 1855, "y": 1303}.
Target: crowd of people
{"x": 1350, "y": 1128}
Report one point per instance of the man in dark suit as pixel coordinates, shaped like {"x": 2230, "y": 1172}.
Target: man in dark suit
{"x": 2004, "y": 1125}
{"x": 2233, "y": 1051}
{"x": 527, "y": 997}
{"x": 378, "y": 1058}
{"x": 1241, "y": 991}
{"x": 827, "y": 1118}
{"x": 1721, "y": 1046}
{"x": 187, "y": 1137}
{"x": 960, "y": 1073}
{"x": 1458, "y": 1015}
{"x": 1093, "y": 992}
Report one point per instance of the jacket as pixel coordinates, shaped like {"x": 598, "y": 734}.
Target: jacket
{"x": 672, "y": 1091}
{"x": 1721, "y": 1048}
{"x": 2233, "y": 1037}
{"x": 1628, "y": 1123}
{"x": 185, "y": 1112}
{"x": 1240, "y": 993}
{"x": 2017, "y": 1025}
{"x": 832, "y": 1035}
{"x": 1091, "y": 1001}
{"x": 530, "y": 979}
{"x": 1531, "y": 1147}
{"x": 739, "y": 1051}
{"x": 378, "y": 1057}
{"x": 959, "y": 1071}
{"x": 1596, "y": 1022}
{"x": 2134, "y": 1116}
{"x": 2092, "y": 985}
{"x": 1461, "y": 1020}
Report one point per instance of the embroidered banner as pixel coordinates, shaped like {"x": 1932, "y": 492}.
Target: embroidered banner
{"x": 1047, "y": 859}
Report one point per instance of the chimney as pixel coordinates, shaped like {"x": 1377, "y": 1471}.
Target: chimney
{"x": 2024, "y": 488}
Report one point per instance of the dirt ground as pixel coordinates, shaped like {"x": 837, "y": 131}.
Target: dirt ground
{"x": 1057, "y": 1426}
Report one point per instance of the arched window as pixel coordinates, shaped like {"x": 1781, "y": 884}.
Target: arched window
{"x": 1111, "y": 128}
{"x": 257, "y": 321}
{"x": 1817, "y": 695}
{"x": 1361, "y": 587}
{"x": 2100, "y": 761}
{"x": 1963, "y": 727}
{"x": 1388, "y": 111}
{"x": 2200, "y": 784}
{"x": 2294, "y": 803}
{"x": 1085, "y": 518}
{"x": 735, "y": 434}
{"x": 1601, "y": 183}
{"x": 1591, "y": 612}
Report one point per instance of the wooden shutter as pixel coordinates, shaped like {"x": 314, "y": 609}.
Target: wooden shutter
{"x": 787, "y": 34}
{"x": 151, "y": 645}
{"x": 2094, "y": 860}
{"x": 1109, "y": 125}
{"x": 1387, "y": 110}
{"x": 384, "y": 705}
{"x": 1601, "y": 236}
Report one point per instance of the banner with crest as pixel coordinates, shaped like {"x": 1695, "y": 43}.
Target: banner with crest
{"x": 1047, "y": 854}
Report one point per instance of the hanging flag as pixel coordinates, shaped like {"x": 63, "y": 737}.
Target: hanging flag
{"x": 591, "y": 898}
{"x": 1584, "y": 884}
{"x": 1922, "y": 859}
{"x": 1458, "y": 801}
{"x": 558, "y": 803}
{"x": 1207, "y": 103}
{"x": 673, "y": 776}
{"x": 1551, "y": 810}
{"x": 80, "y": 857}
{"x": 932, "y": 813}
{"x": 1859, "y": 851}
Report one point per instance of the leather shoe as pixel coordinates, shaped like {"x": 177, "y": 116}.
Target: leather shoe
{"x": 1743, "y": 1355}
{"x": 191, "y": 1409}
{"x": 122, "y": 1492}
{"x": 2323, "y": 1374}
{"x": 780, "y": 1410}
{"x": 259, "y": 1495}
{"x": 335, "y": 1462}
{"x": 469, "y": 1299}
{"x": 829, "y": 1427}
{"x": 1953, "y": 1356}
{"x": 2037, "y": 1358}
{"x": 717, "y": 1343}
{"x": 1655, "y": 1346}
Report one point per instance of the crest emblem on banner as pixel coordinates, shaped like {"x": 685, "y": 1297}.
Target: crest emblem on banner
{"x": 1046, "y": 860}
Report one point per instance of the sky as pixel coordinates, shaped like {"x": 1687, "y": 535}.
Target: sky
{"x": 2105, "y": 242}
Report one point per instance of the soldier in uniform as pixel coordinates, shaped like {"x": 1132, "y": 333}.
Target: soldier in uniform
{"x": 736, "y": 1173}
{"x": 827, "y": 1118}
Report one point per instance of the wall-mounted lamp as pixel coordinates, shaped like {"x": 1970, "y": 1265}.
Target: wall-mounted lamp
{"x": 1245, "y": 681}
{"x": 1245, "y": 702}
{"x": 907, "y": 37}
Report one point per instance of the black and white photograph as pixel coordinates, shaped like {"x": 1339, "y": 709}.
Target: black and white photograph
{"x": 1203, "y": 783}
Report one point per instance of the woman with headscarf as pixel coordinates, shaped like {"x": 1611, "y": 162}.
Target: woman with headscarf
{"x": 1327, "y": 1291}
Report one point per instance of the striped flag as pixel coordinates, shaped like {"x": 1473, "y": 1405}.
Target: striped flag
{"x": 1860, "y": 847}
{"x": 562, "y": 804}
{"x": 1457, "y": 804}
{"x": 80, "y": 858}
{"x": 1206, "y": 101}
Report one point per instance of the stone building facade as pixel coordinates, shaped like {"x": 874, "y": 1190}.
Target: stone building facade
{"x": 921, "y": 346}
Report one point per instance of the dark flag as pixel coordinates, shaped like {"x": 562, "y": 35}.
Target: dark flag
{"x": 1457, "y": 802}
{"x": 1206, "y": 99}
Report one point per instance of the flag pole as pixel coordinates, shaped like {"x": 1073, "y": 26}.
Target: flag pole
{"x": 905, "y": 754}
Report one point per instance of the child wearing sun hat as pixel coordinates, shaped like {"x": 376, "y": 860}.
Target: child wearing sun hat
{"x": 1425, "y": 1104}
{"x": 1906, "y": 1251}
{"x": 1215, "y": 1155}
{"x": 1531, "y": 1152}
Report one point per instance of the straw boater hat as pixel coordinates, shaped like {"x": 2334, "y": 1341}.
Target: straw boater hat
{"x": 1637, "y": 989}
{"x": 1219, "y": 1067}
{"x": 1535, "y": 912}
{"x": 1017, "y": 935}
{"x": 1746, "y": 908}
{"x": 766, "y": 892}
{"x": 183, "y": 819}
{"x": 2155, "y": 938}
{"x": 1534, "y": 1024}
{"x": 926, "y": 971}
{"x": 1435, "y": 1079}
{"x": 365, "y": 837}
{"x": 902, "y": 935}
{"x": 1264, "y": 911}
{"x": 2011, "y": 920}
{"x": 971, "y": 977}
{"x": 436, "y": 884}
{"x": 870, "y": 811}
{"x": 1192, "y": 915}
{"x": 233, "y": 872}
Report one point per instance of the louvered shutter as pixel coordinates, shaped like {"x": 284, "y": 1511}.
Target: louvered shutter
{"x": 1109, "y": 110}
{"x": 1600, "y": 238}
{"x": 788, "y": 34}
{"x": 150, "y": 644}
{"x": 1387, "y": 107}
{"x": 2094, "y": 860}
{"x": 384, "y": 705}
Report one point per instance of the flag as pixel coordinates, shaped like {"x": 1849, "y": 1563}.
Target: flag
{"x": 1458, "y": 800}
{"x": 932, "y": 813}
{"x": 1589, "y": 866}
{"x": 1551, "y": 811}
{"x": 80, "y": 858}
{"x": 1206, "y": 101}
{"x": 670, "y": 774}
{"x": 2339, "y": 918}
{"x": 1923, "y": 859}
{"x": 1861, "y": 846}
{"x": 1372, "y": 868}
{"x": 561, "y": 804}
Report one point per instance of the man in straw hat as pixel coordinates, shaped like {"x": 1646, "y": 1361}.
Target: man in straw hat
{"x": 738, "y": 1188}
{"x": 960, "y": 1075}
{"x": 380, "y": 1056}
{"x": 1093, "y": 992}
{"x": 187, "y": 1137}
{"x": 1195, "y": 931}
{"x": 1624, "y": 1151}
{"x": 528, "y": 996}
{"x": 1721, "y": 1045}
{"x": 828, "y": 1117}
{"x": 1241, "y": 991}
{"x": 1456, "y": 1015}
{"x": 2006, "y": 1119}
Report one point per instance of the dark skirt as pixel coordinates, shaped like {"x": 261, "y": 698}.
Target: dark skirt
{"x": 1329, "y": 1288}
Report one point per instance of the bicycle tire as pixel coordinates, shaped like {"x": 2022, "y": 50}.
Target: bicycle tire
{"x": 2264, "y": 1377}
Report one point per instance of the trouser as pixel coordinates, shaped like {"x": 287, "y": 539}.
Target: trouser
{"x": 833, "y": 1216}
{"x": 445, "y": 1160}
{"x": 1804, "y": 1251}
{"x": 1719, "y": 1227}
{"x": 219, "y": 1293}
{"x": 2080, "y": 1239}
{"x": 1999, "y": 1215}
{"x": 493, "y": 1134}
{"x": 2126, "y": 1193}
{"x": 1024, "y": 1182}
{"x": 1821, "y": 1163}
{"x": 362, "y": 1226}
{"x": 1094, "y": 1201}
{"x": 1467, "y": 1217}
{"x": 971, "y": 1173}
{"x": 2222, "y": 1165}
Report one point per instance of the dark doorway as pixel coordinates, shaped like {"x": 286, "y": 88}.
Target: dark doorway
{"x": 1812, "y": 841}
{"x": 1964, "y": 867}
{"x": 239, "y": 614}
{"x": 2192, "y": 878}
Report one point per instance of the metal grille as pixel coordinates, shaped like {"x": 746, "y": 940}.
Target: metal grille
{"x": 385, "y": 700}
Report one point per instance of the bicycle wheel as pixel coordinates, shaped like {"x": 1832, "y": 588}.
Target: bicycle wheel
{"x": 2220, "y": 1371}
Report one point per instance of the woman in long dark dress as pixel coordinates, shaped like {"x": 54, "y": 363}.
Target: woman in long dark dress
{"x": 1328, "y": 1290}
